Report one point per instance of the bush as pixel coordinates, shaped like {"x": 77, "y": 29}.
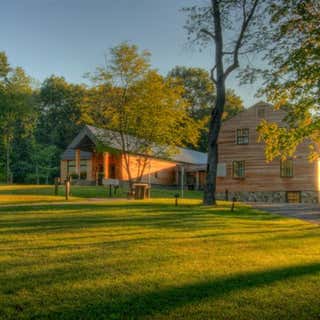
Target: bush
{"x": 31, "y": 178}
{"x": 74, "y": 176}
{"x": 2, "y": 177}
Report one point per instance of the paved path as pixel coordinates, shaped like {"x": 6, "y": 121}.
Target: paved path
{"x": 308, "y": 212}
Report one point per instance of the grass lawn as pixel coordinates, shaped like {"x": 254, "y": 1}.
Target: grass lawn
{"x": 14, "y": 194}
{"x": 152, "y": 260}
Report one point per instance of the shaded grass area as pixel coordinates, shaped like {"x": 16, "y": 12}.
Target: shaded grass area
{"x": 10, "y": 194}
{"x": 152, "y": 260}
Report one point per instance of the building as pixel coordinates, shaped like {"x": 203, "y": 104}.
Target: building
{"x": 90, "y": 166}
{"x": 244, "y": 172}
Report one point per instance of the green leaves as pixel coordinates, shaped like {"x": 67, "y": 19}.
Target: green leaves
{"x": 4, "y": 65}
{"x": 293, "y": 80}
{"x": 146, "y": 113}
{"x": 17, "y": 109}
{"x": 60, "y": 111}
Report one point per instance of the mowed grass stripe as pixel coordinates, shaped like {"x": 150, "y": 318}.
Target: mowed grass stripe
{"x": 152, "y": 260}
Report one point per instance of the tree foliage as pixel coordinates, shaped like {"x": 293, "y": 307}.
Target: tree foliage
{"x": 35, "y": 126}
{"x": 199, "y": 91}
{"x": 60, "y": 111}
{"x": 17, "y": 113}
{"x": 145, "y": 112}
{"x": 292, "y": 81}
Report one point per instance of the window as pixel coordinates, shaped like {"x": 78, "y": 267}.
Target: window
{"x": 238, "y": 169}
{"x": 156, "y": 174}
{"x": 221, "y": 170}
{"x": 293, "y": 196}
{"x": 71, "y": 167}
{"x": 261, "y": 112}
{"x": 242, "y": 136}
{"x": 83, "y": 165}
{"x": 286, "y": 168}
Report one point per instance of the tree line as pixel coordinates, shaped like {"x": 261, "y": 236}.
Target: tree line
{"x": 37, "y": 122}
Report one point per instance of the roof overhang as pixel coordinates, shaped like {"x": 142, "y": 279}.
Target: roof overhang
{"x": 84, "y": 141}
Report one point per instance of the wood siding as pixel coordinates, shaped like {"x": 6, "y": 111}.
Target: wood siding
{"x": 157, "y": 171}
{"x": 260, "y": 175}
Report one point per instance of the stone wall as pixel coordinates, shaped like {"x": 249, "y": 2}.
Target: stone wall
{"x": 309, "y": 197}
{"x": 267, "y": 196}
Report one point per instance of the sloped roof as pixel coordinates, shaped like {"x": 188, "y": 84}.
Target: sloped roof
{"x": 260, "y": 104}
{"x": 97, "y": 135}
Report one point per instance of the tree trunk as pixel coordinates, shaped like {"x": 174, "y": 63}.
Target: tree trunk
{"x": 8, "y": 172}
{"x": 209, "y": 197}
{"x": 37, "y": 175}
{"x": 213, "y": 155}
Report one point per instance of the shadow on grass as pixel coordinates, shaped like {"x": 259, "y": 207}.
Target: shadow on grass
{"x": 88, "y": 191}
{"x": 47, "y": 218}
{"x": 162, "y": 301}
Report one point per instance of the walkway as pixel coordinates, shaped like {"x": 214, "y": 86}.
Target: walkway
{"x": 304, "y": 211}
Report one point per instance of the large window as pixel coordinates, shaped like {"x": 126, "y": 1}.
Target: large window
{"x": 242, "y": 136}
{"x": 71, "y": 167}
{"x": 83, "y": 165}
{"x": 286, "y": 168}
{"x": 238, "y": 169}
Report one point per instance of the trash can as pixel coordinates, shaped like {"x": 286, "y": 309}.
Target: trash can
{"x": 141, "y": 191}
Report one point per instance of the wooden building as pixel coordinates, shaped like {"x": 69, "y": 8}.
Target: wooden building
{"x": 244, "y": 172}
{"x": 83, "y": 160}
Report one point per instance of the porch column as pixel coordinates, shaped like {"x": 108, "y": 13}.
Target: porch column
{"x": 182, "y": 181}
{"x": 177, "y": 175}
{"x": 78, "y": 162}
{"x": 105, "y": 165}
{"x": 197, "y": 180}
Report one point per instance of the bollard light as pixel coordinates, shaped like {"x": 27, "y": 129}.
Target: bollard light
{"x": 177, "y": 195}
{"x": 234, "y": 199}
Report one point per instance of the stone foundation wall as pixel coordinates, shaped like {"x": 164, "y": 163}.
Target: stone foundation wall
{"x": 268, "y": 196}
{"x": 309, "y": 197}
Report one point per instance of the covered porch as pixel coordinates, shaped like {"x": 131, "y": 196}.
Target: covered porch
{"x": 192, "y": 176}
{"x": 102, "y": 164}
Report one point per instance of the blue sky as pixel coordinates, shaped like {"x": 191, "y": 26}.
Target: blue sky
{"x": 70, "y": 37}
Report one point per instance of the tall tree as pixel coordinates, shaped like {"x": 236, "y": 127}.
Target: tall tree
{"x": 60, "y": 112}
{"x": 145, "y": 114}
{"x": 43, "y": 163}
{"x": 292, "y": 80}
{"x": 233, "y": 105}
{"x": 60, "y": 117}
{"x": 17, "y": 112}
{"x": 200, "y": 93}
{"x": 233, "y": 27}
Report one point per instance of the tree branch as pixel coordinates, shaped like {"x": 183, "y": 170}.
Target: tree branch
{"x": 228, "y": 52}
{"x": 212, "y": 75}
{"x": 245, "y": 23}
{"x": 208, "y": 33}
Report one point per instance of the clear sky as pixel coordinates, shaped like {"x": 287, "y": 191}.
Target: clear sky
{"x": 70, "y": 37}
